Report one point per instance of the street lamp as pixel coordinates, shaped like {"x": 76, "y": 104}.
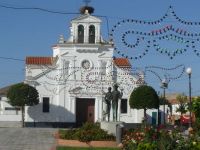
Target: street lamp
{"x": 189, "y": 72}
{"x": 164, "y": 85}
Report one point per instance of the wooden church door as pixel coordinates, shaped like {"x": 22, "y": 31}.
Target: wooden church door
{"x": 84, "y": 110}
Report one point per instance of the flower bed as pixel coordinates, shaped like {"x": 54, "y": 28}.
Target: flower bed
{"x": 150, "y": 138}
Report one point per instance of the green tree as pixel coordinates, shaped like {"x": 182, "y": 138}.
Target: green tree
{"x": 144, "y": 97}
{"x": 21, "y": 95}
{"x": 196, "y": 107}
{"x": 182, "y": 106}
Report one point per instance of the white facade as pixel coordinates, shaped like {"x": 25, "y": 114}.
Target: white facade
{"x": 152, "y": 115}
{"x": 77, "y": 76}
{"x": 8, "y": 113}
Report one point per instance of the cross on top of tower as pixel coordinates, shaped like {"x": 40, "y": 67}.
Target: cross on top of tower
{"x": 86, "y": 2}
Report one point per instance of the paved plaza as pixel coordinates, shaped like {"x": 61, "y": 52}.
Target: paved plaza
{"x": 27, "y": 139}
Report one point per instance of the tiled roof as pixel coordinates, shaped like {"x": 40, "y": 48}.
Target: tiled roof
{"x": 39, "y": 60}
{"x": 122, "y": 62}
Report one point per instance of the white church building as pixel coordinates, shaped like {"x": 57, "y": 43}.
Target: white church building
{"x": 72, "y": 83}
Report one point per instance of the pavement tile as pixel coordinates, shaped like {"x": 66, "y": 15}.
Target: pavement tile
{"x": 27, "y": 138}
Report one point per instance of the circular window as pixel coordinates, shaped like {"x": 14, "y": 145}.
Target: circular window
{"x": 86, "y": 64}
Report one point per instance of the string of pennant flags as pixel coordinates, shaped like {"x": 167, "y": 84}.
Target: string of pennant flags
{"x": 184, "y": 38}
{"x": 94, "y": 80}
{"x": 85, "y": 74}
{"x": 169, "y": 77}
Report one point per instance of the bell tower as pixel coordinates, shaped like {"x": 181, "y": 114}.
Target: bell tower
{"x": 85, "y": 29}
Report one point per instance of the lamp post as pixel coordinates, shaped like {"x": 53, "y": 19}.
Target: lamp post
{"x": 189, "y": 72}
{"x": 164, "y": 85}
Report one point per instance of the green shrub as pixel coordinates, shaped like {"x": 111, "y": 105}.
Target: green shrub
{"x": 68, "y": 134}
{"x": 90, "y": 126}
{"x": 88, "y": 132}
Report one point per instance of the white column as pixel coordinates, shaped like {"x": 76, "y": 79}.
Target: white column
{"x": 62, "y": 96}
{"x": 75, "y": 32}
{"x": 86, "y": 34}
{"x": 98, "y": 108}
{"x": 71, "y": 70}
{"x": 72, "y": 107}
{"x": 100, "y": 65}
{"x": 109, "y": 69}
{"x": 71, "y": 39}
{"x": 101, "y": 108}
{"x": 119, "y": 110}
{"x": 97, "y": 33}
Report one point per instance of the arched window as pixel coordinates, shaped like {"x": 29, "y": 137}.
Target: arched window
{"x": 92, "y": 34}
{"x": 80, "y": 34}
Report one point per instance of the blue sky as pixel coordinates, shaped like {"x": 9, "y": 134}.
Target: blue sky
{"x": 32, "y": 33}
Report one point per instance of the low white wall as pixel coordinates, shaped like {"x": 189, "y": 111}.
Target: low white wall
{"x": 132, "y": 116}
{"x": 10, "y": 118}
